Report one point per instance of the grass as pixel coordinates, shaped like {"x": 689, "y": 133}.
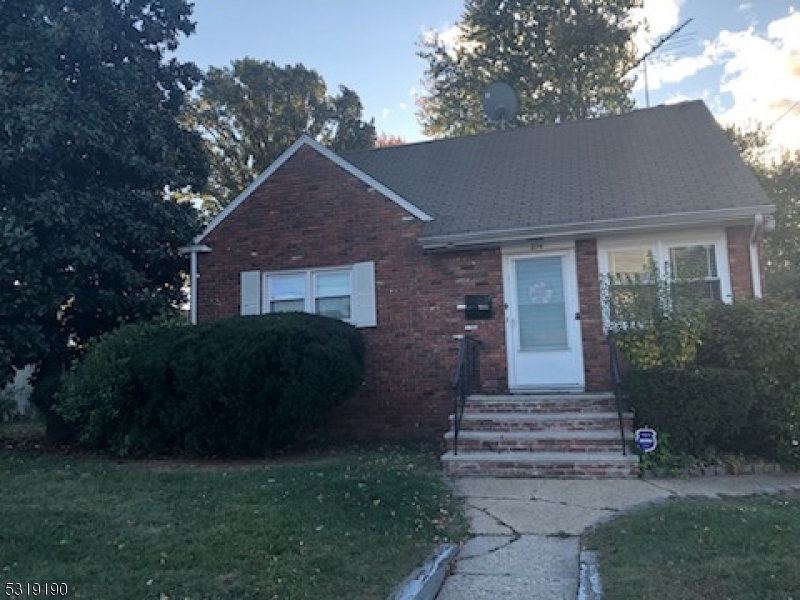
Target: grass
{"x": 735, "y": 548}
{"x": 351, "y": 525}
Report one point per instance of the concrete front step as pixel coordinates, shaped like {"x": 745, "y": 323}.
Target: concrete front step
{"x": 548, "y": 435}
{"x": 564, "y": 465}
{"x": 550, "y": 440}
{"x": 524, "y": 421}
{"x": 603, "y": 402}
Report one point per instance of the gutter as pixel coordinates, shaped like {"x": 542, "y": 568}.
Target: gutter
{"x": 761, "y": 223}
{"x": 193, "y": 251}
{"x": 594, "y": 228}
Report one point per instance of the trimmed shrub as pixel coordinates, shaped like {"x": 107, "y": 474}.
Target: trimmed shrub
{"x": 99, "y": 395}
{"x": 697, "y": 408}
{"x": 762, "y": 338}
{"x": 237, "y": 387}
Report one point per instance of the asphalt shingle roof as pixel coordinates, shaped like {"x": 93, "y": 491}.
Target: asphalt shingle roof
{"x": 658, "y": 161}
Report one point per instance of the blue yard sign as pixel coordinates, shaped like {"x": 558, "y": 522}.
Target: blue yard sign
{"x": 646, "y": 439}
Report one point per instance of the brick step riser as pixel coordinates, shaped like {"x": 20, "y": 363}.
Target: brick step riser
{"x": 556, "y": 471}
{"x": 536, "y": 408}
{"x": 511, "y": 445}
{"x": 563, "y": 425}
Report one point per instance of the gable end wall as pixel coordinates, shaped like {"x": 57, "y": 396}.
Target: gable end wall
{"x": 311, "y": 213}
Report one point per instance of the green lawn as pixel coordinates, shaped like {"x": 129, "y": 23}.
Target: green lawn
{"x": 349, "y": 526}
{"x": 738, "y": 549}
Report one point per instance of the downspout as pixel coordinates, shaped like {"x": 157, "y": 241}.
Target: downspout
{"x": 193, "y": 251}
{"x": 761, "y": 223}
{"x": 755, "y": 267}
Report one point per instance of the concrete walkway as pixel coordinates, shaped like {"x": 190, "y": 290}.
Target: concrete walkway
{"x": 527, "y": 543}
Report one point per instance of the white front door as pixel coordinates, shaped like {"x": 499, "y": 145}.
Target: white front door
{"x": 543, "y": 332}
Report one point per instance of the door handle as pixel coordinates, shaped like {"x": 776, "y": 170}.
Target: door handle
{"x": 577, "y": 316}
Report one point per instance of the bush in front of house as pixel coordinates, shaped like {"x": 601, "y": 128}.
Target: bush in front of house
{"x": 762, "y": 338}
{"x": 237, "y": 387}
{"x": 257, "y": 383}
{"x": 99, "y": 397}
{"x": 698, "y": 408}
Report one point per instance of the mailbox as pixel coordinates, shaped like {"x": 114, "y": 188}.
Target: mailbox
{"x": 478, "y": 307}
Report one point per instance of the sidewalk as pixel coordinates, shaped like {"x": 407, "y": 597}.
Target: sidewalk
{"x": 527, "y": 531}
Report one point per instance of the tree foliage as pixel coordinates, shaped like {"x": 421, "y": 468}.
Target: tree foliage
{"x": 90, "y": 141}
{"x": 567, "y": 60}
{"x": 386, "y": 140}
{"x": 780, "y": 177}
{"x": 250, "y": 112}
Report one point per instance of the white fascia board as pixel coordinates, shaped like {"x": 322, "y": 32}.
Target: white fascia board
{"x": 597, "y": 228}
{"x": 306, "y": 140}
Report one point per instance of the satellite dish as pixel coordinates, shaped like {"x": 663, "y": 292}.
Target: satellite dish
{"x": 500, "y": 103}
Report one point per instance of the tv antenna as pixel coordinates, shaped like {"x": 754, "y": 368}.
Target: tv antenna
{"x": 500, "y": 103}
{"x": 653, "y": 50}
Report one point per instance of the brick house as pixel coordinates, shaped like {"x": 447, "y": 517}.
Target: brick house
{"x": 400, "y": 240}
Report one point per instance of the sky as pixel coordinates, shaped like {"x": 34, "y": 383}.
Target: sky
{"x": 742, "y": 58}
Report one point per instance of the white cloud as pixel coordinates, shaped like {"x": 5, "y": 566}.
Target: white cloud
{"x": 385, "y": 113}
{"x": 403, "y": 106}
{"x": 666, "y": 69}
{"x": 762, "y": 75}
{"x": 656, "y": 18}
{"x": 449, "y": 37}
{"x": 677, "y": 98}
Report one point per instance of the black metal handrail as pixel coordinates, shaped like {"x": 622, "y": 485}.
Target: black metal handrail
{"x": 619, "y": 394}
{"x": 466, "y": 381}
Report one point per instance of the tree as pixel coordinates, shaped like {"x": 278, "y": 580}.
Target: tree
{"x": 782, "y": 245}
{"x": 567, "y": 60}
{"x": 91, "y": 143}
{"x": 780, "y": 178}
{"x": 251, "y": 112}
{"x": 385, "y": 140}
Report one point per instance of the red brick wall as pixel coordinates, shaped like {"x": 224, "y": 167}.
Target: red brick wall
{"x": 294, "y": 221}
{"x": 739, "y": 258}
{"x": 298, "y": 221}
{"x": 595, "y": 347}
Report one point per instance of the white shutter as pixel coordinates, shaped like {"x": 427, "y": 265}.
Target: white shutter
{"x": 364, "y": 310}
{"x": 250, "y": 286}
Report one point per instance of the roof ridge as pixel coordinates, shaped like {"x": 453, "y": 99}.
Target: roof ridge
{"x": 636, "y": 113}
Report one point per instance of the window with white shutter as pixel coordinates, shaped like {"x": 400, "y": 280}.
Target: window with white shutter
{"x": 346, "y": 293}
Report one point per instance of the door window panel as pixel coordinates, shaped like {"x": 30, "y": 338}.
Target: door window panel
{"x": 541, "y": 304}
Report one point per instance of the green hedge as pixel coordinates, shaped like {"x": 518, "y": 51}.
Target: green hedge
{"x": 697, "y": 408}
{"x": 237, "y": 387}
{"x": 762, "y": 338}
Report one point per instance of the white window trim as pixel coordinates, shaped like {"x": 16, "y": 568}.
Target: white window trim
{"x": 362, "y": 291}
{"x": 660, "y": 246}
